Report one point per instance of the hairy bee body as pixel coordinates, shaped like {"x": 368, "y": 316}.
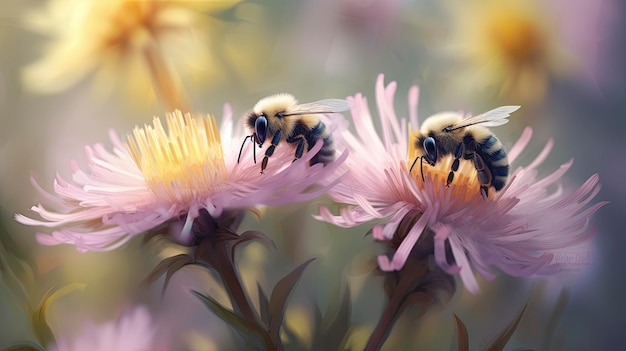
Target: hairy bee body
{"x": 467, "y": 138}
{"x": 280, "y": 119}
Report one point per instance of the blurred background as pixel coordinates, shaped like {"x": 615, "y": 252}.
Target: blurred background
{"x": 70, "y": 70}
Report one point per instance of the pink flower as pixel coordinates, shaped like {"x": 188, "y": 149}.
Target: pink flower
{"x": 160, "y": 176}
{"x": 130, "y": 332}
{"x": 516, "y": 230}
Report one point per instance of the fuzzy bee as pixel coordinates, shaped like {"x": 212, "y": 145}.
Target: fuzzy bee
{"x": 279, "y": 118}
{"x": 450, "y": 133}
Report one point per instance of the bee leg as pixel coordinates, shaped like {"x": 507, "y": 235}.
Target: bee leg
{"x": 252, "y": 138}
{"x": 484, "y": 191}
{"x": 470, "y": 150}
{"x": 460, "y": 150}
{"x": 414, "y": 162}
{"x": 484, "y": 176}
{"x": 421, "y": 158}
{"x": 270, "y": 150}
{"x": 300, "y": 147}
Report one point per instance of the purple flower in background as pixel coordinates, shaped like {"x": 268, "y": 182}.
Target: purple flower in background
{"x": 133, "y": 331}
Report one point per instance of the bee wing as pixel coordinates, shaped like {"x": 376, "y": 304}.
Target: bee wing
{"x": 320, "y": 107}
{"x": 492, "y": 118}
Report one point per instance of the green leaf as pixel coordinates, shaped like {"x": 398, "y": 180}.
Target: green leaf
{"x": 317, "y": 315}
{"x": 278, "y": 300}
{"x": 15, "y": 269}
{"x": 15, "y": 317}
{"x": 17, "y": 277}
{"x": 503, "y": 338}
{"x": 335, "y": 326}
{"x": 461, "y": 335}
{"x": 252, "y": 333}
{"x": 169, "y": 266}
{"x": 250, "y": 236}
{"x": 264, "y": 305}
{"x": 40, "y": 326}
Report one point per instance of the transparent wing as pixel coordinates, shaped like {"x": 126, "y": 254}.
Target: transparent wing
{"x": 492, "y": 118}
{"x": 321, "y": 106}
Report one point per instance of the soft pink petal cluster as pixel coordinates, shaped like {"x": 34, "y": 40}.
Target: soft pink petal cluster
{"x": 518, "y": 231}
{"x": 133, "y": 331}
{"x": 111, "y": 201}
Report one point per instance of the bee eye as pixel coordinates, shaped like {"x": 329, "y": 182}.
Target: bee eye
{"x": 260, "y": 128}
{"x": 431, "y": 150}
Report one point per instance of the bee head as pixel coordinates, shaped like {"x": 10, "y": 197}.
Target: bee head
{"x": 442, "y": 123}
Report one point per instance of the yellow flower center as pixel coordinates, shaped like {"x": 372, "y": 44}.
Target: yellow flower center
{"x": 131, "y": 23}
{"x": 464, "y": 186}
{"x": 180, "y": 163}
{"x": 515, "y": 36}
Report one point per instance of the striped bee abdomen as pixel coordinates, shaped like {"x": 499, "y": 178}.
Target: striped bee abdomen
{"x": 495, "y": 158}
{"x": 327, "y": 152}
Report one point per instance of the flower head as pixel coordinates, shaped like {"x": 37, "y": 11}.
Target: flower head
{"x": 132, "y": 331}
{"x": 516, "y": 230}
{"x": 139, "y": 44}
{"x": 161, "y": 175}
{"x": 519, "y": 46}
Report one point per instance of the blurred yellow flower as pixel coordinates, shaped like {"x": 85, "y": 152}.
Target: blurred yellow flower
{"x": 509, "y": 44}
{"x": 144, "y": 46}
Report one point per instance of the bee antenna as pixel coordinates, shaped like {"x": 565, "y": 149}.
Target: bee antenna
{"x": 308, "y": 113}
{"x": 244, "y": 143}
{"x": 449, "y": 129}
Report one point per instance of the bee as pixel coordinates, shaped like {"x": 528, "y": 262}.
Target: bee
{"x": 279, "y": 118}
{"x": 450, "y": 133}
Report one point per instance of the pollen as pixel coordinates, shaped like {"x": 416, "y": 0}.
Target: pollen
{"x": 465, "y": 185}
{"x": 183, "y": 162}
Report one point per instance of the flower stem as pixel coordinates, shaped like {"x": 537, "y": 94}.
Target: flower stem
{"x": 387, "y": 320}
{"x": 215, "y": 242}
{"x": 232, "y": 282}
{"x": 163, "y": 80}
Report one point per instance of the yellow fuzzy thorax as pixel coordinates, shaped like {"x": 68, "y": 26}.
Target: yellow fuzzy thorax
{"x": 182, "y": 161}
{"x": 465, "y": 184}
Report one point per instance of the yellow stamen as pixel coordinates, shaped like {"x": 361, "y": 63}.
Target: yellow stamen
{"x": 465, "y": 184}
{"x": 179, "y": 164}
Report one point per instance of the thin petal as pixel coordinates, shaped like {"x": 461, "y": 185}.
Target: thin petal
{"x": 520, "y": 145}
{"x": 469, "y": 280}
{"x": 405, "y": 248}
{"x": 441, "y": 235}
